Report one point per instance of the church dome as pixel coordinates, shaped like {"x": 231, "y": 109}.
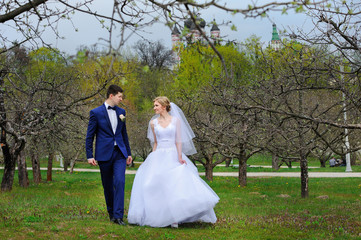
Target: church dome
{"x": 190, "y": 24}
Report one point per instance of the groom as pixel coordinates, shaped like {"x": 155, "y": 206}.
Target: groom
{"x": 112, "y": 151}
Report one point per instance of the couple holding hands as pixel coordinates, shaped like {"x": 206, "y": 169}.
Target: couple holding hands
{"x": 167, "y": 189}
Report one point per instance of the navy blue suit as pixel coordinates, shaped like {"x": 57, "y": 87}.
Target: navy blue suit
{"x": 111, "y": 157}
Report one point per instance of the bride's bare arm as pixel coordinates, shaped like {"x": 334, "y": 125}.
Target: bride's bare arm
{"x": 155, "y": 138}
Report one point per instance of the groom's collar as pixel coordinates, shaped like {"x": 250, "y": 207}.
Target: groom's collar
{"x": 106, "y": 105}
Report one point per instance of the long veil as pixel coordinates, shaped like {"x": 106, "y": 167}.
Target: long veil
{"x": 185, "y": 131}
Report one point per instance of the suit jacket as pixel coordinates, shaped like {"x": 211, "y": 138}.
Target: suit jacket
{"x": 100, "y": 126}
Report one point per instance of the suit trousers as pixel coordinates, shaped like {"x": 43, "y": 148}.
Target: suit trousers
{"x": 113, "y": 179}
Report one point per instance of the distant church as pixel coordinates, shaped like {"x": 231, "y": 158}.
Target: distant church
{"x": 276, "y": 40}
{"x": 194, "y": 35}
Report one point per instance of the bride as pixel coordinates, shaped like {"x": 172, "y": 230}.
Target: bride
{"x": 167, "y": 189}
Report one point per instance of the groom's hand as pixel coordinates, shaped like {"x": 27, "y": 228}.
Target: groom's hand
{"x": 92, "y": 161}
{"x": 129, "y": 160}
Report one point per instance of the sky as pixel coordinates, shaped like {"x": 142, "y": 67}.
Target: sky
{"x": 90, "y": 32}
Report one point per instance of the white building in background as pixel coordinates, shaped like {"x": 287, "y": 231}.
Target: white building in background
{"x": 276, "y": 40}
{"x": 193, "y": 35}
{"x": 176, "y": 42}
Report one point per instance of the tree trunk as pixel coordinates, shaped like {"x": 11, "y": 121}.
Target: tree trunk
{"x": 228, "y": 161}
{"x": 209, "y": 170}
{"x": 36, "y": 167}
{"x": 49, "y": 174}
{"x": 275, "y": 162}
{"x": 304, "y": 177}
{"x": 324, "y": 158}
{"x": 66, "y": 163}
{"x": 303, "y": 147}
{"x": 72, "y": 162}
{"x": 353, "y": 159}
{"x": 323, "y": 162}
{"x": 242, "y": 169}
{"x": 9, "y": 161}
{"x": 9, "y": 169}
{"x": 288, "y": 163}
{"x": 22, "y": 171}
{"x": 208, "y": 166}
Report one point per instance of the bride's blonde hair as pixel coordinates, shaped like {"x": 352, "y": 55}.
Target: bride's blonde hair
{"x": 164, "y": 101}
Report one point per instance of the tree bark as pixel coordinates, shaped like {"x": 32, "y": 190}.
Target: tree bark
{"x": 9, "y": 162}
{"x": 208, "y": 166}
{"x": 323, "y": 162}
{"x": 36, "y": 167}
{"x": 20, "y": 10}
{"x": 9, "y": 169}
{"x": 302, "y": 151}
{"x": 353, "y": 159}
{"x": 209, "y": 171}
{"x": 288, "y": 163}
{"x": 22, "y": 171}
{"x": 228, "y": 161}
{"x": 242, "y": 169}
{"x": 66, "y": 163}
{"x": 275, "y": 162}
{"x": 72, "y": 162}
{"x": 304, "y": 177}
{"x": 49, "y": 174}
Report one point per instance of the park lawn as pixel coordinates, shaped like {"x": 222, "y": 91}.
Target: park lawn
{"x": 72, "y": 206}
{"x": 257, "y": 159}
{"x": 356, "y": 168}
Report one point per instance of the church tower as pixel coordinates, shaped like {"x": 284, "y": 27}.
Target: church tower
{"x": 215, "y": 32}
{"x": 276, "y": 41}
{"x": 191, "y": 35}
{"x": 176, "y": 42}
{"x": 194, "y": 35}
{"x": 175, "y": 37}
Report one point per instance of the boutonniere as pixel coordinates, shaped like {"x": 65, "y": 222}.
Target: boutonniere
{"x": 122, "y": 117}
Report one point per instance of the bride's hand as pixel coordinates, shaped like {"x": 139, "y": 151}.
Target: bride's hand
{"x": 182, "y": 161}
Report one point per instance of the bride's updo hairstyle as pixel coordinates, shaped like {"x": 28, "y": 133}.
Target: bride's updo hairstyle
{"x": 164, "y": 101}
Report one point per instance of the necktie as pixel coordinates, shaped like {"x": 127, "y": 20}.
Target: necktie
{"x": 110, "y": 107}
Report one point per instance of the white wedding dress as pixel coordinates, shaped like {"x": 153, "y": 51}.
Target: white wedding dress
{"x": 166, "y": 191}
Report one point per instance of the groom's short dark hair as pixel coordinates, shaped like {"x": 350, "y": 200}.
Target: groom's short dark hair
{"x": 114, "y": 89}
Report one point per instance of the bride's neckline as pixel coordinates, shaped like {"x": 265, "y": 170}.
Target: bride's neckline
{"x": 167, "y": 124}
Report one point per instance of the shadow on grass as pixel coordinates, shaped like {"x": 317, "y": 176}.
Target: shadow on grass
{"x": 196, "y": 225}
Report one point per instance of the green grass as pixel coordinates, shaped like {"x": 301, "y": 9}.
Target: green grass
{"x": 258, "y": 159}
{"x": 72, "y": 207}
{"x": 294, "y": 169}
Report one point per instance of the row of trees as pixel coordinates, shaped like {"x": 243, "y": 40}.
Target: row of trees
{"x": 46, "y": 98}
{"x": 287, "y": 103}
{"x": 241, "y": 99}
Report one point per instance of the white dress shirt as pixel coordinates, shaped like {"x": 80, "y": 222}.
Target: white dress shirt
{"x": 113, "y": 118}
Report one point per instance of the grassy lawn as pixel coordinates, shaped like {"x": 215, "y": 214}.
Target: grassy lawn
{"x": 257, "y": 161}
{"x": 72, "y": 207}
{"x": 294, "y": 169}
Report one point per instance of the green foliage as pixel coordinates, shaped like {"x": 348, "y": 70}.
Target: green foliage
{"x": 201, "y": 67}
{"x": 73, "y": 206}
{"x": 299, "y": 9}
{"x": 45, "y": 62}
{"x": 293, "y": 60}
{"x": 46, "y": 57}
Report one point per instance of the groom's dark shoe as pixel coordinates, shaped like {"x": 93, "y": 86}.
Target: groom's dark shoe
{"x": 119, "y": 221}
{"x": 112, "y": 219}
